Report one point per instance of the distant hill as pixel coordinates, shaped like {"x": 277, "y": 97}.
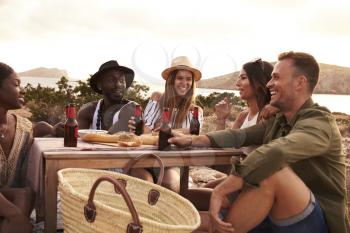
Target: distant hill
{"x": 333, "y": 80}
{"x": 44, "y": 72}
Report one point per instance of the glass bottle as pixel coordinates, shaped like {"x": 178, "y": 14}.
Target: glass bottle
{"x": 139, "y": 123}
{"x": 195, "y": 126}
{"x": 70, "y": 127}
{"x": 164, "y": 131}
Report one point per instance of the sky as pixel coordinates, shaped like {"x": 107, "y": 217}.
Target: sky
{"x": 218, "y": 36}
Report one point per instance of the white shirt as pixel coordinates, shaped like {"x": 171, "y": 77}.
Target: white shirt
{"x": 115, "y": 117}
{"x": 247, "y": 123}
{"x": 152, "y": 113}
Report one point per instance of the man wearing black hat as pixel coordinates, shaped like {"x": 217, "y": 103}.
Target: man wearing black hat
{"x": 113, "y": 111}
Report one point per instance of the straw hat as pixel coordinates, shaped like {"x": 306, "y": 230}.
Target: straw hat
{"x": 107, "y": 66}
{"x": 181, "y": 63}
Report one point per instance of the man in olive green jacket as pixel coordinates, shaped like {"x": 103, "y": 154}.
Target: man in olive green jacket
{"x": 295, "y": 181}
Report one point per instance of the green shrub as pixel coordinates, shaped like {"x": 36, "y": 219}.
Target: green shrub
{"x": 48, "y": 104}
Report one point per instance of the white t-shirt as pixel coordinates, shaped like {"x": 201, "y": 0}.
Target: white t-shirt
{"x": 115, "y": 117}
{"x": 247, "y": 123}
{"x": 152, "y": 113}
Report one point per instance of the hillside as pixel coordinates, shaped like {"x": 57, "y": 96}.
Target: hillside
{"x": 333, "y": 80}
{"x": 44, "y": 72}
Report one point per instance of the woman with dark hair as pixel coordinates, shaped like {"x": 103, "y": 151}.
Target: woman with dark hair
{"x": 16, "y": 136}
{"x": 252, "y": 88}
{"x": 179, "y": 98}
{"x": 15, "y": 139}
{"x": 251, "y": 84}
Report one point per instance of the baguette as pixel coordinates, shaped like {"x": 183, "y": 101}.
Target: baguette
{"x": 148, "y": 139}
{"x": 99, "y": 137}
{"x": 129, "y": 140}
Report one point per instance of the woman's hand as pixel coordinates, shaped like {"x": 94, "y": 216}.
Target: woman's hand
{"x": 267, "y": 112}
{"x": 222, "y": 109}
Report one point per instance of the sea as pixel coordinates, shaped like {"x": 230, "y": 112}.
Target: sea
{"x": 335, "y": 103}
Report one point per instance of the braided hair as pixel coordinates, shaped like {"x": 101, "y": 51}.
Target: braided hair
{"x": 99, "y": 116}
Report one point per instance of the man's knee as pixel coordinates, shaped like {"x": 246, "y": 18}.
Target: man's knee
{"x": 282, "y": 176}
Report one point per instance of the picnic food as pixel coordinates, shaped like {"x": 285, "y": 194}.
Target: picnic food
{"x": 99, "y": 137}
{"x": 124, "y": 139}
{"x": 129, "y": 139}
{"x": 149, "y": 139}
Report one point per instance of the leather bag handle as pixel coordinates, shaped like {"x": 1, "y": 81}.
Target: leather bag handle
{"x": 153, "y": 194}
{"x": 90, "y": 209}
{"x": 133, "y": 161}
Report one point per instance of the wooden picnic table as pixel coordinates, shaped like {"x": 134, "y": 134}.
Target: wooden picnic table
{"x": 48, "y": 155}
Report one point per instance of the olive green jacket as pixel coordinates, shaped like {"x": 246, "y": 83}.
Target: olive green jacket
{"x": 310, "y": 144}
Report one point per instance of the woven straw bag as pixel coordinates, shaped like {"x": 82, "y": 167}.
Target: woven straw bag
{"x": 105, "y": 201}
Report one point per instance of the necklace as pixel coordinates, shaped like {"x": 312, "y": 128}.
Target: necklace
{"x": 3, "y": 132}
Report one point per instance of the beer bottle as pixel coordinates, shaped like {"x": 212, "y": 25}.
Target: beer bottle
{"x": 139, "y": 123}
{"x": 194, "y": 124}
{"x": 164, "y": 131}
{"x": 70, "y": 127}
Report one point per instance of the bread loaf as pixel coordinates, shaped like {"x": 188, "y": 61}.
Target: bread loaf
{"x": 129, "y": 140}
{"x": 148, "y": 139}
{"x": 99, "y": 137}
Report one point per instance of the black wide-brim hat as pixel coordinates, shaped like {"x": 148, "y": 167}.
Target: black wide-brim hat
{"x": 108, "y": 66}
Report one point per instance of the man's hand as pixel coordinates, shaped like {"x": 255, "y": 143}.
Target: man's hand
{"x": 131, "y": 124}
{"x": 180, "y": 139}
{"x": 217, "y": 202}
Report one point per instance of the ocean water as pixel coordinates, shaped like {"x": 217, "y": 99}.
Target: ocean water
{"x": 335, "y": 103}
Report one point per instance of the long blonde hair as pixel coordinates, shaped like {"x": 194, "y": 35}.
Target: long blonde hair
{"x": 170, "y": 99}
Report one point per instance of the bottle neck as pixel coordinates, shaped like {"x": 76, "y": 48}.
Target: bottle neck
{"x": 70, "y": 112}
{"x": 195, "y": 113}
{"x": 138, "y": 111}
{"x": 166, "y": 117}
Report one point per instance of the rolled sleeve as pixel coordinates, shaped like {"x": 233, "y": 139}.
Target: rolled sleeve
{"x": 309, "y": 138}
{"x": 238, "y": 137}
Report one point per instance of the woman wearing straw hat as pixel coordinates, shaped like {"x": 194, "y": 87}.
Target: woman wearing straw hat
{"x": 179, "y": 97}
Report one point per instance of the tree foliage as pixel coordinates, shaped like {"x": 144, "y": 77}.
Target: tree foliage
{"x": 212, "y": 99}
{"x": 48, "y": 104}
